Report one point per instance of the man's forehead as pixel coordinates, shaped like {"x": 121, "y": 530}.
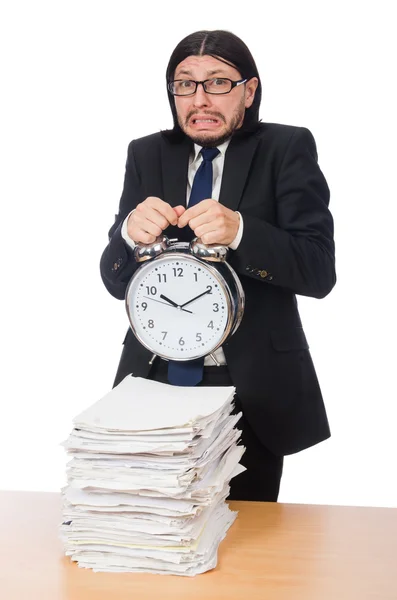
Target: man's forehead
{"x": 211, "y": 65}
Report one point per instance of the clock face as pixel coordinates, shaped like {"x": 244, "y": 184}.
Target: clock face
{"x": 178, "y": 307}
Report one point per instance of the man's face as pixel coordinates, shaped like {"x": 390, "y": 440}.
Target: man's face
{"x": 225, "y": 111}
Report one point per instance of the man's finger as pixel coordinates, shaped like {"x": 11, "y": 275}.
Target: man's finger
{"x": 145, "y": 225}
{"x": 146, "y": 214}
{"x": 151, "y": 227}
{"x": 205, "y": 217}
{"x": 209, "y": 227}
{"x": 192, "y": 212}
{"x": 164, "y": 209}
{"x": 179, "y": 210}
{"x": 157, "y": 218}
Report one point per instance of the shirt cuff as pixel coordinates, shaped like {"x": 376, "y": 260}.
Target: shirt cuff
{"x": 124, "y": 233}
{"x": 235, "y": 243}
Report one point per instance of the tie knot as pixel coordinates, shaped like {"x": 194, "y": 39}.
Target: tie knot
{"x": 209, "y": 153}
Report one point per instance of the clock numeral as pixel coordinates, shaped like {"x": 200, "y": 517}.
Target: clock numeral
{"x": 164, "y": 334}
{"x": 209, "y": 287}
{"x": 150, "y": 324}
{"x": 181, "y": 341}
{"x": 195, "y": 276}
{"x": 144, "y": 305}
{"x": 216, "y": 307}
{"x": 211, "y": 325}
{"x": 151, "y": 290}
{"x": 198, "y": 337}
{"x": 178, "y": 272}
{"x": 162, "y": 277}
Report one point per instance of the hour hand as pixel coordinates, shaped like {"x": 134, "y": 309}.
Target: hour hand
{"x": 169, "y": 301}
{"x": 174, "y": 304}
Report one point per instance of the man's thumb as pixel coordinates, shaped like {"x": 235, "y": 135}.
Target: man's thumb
{"x": 179, "y": 210}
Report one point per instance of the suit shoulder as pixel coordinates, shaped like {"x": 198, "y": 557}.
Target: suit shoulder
{"x": 281, "y": 132}
{"x": 145, "y": 142}
{"x": 281, "y": 137}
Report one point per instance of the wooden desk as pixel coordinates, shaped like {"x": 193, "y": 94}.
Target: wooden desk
{"x": 272, "y": 552}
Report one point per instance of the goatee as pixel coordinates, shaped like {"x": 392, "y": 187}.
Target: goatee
{"x": 210, "y": 141}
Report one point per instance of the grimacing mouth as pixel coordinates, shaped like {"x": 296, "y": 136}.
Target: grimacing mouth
{"x": 205, "y": 119}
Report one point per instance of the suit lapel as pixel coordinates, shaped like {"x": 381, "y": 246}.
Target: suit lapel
{"x": 238, "y": 159}
{"x": 175, "y": 163}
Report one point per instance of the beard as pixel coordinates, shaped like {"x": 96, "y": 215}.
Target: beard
{"x": 215, "y": 139}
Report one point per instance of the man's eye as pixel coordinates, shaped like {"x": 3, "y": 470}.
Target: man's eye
{"x": 219, "y": 83}
{"x": 185, "y": 83}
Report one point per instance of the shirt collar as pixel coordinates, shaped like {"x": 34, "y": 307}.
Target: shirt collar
{"x": 222, "y": 149}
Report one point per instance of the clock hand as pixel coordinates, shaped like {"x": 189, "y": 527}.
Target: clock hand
{"x": 166, "y": 303}
{"x": 193, "y": 299}
{"x": 169, "y": 301}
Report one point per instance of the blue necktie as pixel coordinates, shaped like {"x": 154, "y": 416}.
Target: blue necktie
{"x": 190, "y": 372}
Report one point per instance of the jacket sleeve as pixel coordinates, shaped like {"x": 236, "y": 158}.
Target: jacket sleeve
{"x": 117, "y": 263}
{"x": 297, "y": 253}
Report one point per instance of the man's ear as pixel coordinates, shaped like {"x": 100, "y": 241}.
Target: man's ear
{"x": 250, "y": 89}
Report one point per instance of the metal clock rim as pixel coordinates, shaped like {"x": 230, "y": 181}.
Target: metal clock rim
{"x": 231, "y": 307}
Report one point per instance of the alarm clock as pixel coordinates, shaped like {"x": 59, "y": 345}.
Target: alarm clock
{"x": 184, "y": 300}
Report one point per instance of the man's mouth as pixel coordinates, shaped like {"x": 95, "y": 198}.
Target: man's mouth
{"x": 204, "y": 121}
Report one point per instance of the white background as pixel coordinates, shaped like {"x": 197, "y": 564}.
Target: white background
{"x": 71, "y": 102}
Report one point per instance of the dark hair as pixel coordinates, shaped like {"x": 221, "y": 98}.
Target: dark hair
{"x": 222, "y": 45}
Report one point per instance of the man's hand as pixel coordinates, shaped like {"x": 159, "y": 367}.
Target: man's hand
{"x": 212, "y": 222}
{"x": 150, "y": 218}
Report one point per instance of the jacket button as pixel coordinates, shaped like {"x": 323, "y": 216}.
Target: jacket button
{"x": 263, "y": 274}
{"x": 117, "y": 264}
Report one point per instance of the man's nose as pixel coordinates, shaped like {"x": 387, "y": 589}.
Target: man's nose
{"x": 201, "y": 98}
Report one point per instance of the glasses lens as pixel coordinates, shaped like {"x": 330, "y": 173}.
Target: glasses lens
{"x": 184, "y": 87}
{"x": 218, "y": 86}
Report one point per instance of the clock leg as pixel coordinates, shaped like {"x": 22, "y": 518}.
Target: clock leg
{"x": 151, "y": 361}
{"x": 218, "y": 364}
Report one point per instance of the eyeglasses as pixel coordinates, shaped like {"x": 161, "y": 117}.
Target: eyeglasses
{"x": 187, "y": 87}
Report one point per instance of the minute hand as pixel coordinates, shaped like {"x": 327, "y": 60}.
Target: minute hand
{"x": 196, "y": 297}
{"x": 166, "y": 303}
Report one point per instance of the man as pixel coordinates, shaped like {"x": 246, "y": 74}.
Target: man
{"x": 269, "y": 204}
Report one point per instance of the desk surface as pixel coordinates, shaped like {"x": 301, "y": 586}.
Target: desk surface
{"x": 271, "y": 552}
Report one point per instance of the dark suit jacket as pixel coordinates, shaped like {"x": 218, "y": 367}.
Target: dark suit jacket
{"x": 272, "y": 178}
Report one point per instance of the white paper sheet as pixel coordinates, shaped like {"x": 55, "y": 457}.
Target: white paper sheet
{"x": 138, "y": 404}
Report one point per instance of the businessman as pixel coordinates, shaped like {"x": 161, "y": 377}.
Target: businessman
{"x": 224, "y": 176}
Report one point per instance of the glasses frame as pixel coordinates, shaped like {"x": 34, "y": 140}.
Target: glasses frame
{"x": 234, "y": 84}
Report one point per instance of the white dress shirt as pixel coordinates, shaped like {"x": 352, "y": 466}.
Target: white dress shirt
{"x": 195, "y": 161}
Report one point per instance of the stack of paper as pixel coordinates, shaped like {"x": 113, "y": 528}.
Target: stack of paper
{"x": 148, "y": 478}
